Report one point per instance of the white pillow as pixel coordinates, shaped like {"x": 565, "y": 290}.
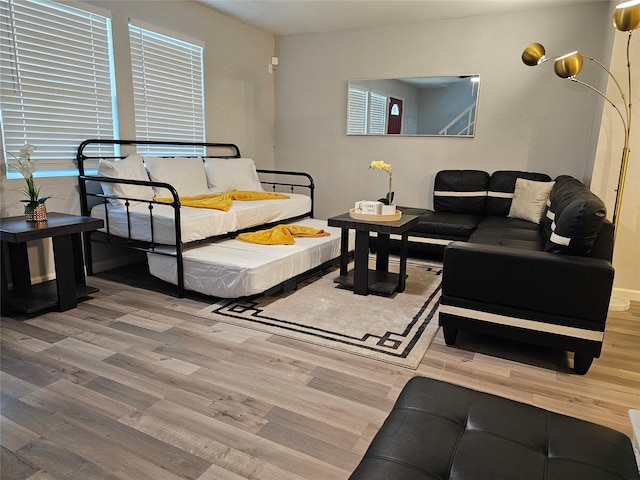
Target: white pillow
{"x": 186, "y": 175}
{"x": 226, "y": 174}
{"x": 530, "y": 199}
{"x": 130, "y": 168}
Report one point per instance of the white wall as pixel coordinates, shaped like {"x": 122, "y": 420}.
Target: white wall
{"x": 528, "y": 119}
{"x": 626, "y": 258}
{"x": 239, "y": 98}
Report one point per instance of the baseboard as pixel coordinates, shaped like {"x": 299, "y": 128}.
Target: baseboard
{"x": 633, "y": 295}
{"x": 621, "y": 298}
{"x": 97, "y": 267}
{"x": 40, "y": 278}
{"x": 111, "y": 263}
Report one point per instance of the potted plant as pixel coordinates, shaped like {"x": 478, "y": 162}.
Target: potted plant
{"x": 387, "y": 202}
{"x": 35, "y": 208}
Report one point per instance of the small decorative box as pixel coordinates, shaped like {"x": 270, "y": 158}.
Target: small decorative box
{"x": 368, "y": 207}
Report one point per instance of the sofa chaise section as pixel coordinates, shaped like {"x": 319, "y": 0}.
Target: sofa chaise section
{"x": 530, "y": 260}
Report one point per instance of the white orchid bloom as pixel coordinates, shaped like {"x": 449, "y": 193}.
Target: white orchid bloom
{"x": 26, "y": 151}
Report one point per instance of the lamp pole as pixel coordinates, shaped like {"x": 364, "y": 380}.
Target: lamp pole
{"x": 626, "y": 18}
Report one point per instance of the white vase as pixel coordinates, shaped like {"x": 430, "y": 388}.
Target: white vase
{"x": 388, "y": 209}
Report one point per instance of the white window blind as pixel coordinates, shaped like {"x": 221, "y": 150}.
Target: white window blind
{"x": 56, "y": 80}
{"x": 357, "y": 112}
{"x": 377, "y": 114}
{"x": 168, "y": 90}
{"x": 366, "y": 112}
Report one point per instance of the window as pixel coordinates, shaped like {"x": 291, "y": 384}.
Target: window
{"x": 56, "y": 81}
{"x": 168, "y": 89}
{"x": 377, "y": 114}
{"x": 357, "y": 114}
{"x": 367, "y": 112}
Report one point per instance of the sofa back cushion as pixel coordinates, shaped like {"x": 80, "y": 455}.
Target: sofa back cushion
{"x": 186, "y": 175}
{"x": 573, "y": 219}
{"x": 226, "y": 174}
{"x": 530, "y": 200}
{"x": 501, "y": 187}
{"x": 460, "y": 191}
{"x": 129, "y": 168}
{"x": 564, "y": 185}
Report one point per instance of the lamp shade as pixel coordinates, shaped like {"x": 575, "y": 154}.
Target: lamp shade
{"x": 533, "y": 54}
{"x": 568, "y": 65}
{"x": 626, "y": 16}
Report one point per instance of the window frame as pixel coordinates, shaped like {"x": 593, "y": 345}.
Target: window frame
{"x": 32, "y": 31}
{"x": 366, "y": 112}
{"x": 156, "y": 76}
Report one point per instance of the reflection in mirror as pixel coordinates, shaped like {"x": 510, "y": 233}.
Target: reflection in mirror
{"x": 413, "y": 106}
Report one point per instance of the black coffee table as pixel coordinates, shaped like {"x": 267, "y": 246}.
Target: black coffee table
{"x": 361, "y": 279}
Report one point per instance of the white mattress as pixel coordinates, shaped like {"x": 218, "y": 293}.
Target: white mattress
{"x": 199, "y": 223}
{"x": 231, "y": 268}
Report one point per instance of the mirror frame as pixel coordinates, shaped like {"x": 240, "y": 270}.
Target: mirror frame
{"x": 412, "y": 99}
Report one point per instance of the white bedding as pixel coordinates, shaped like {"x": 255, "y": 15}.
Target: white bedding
{"x": 199, "y": 223}
{"x": 231, "y": 268}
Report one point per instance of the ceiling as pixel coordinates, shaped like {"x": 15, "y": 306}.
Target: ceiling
{"x": 291, "y": 17}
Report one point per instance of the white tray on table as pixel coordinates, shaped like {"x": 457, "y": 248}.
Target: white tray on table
{"x": 375, "y": 218}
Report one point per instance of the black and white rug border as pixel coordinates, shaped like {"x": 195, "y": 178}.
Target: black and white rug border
{"x": 392, "y": 344}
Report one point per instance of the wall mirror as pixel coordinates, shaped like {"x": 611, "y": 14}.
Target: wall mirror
{"x": 439, "y": 106}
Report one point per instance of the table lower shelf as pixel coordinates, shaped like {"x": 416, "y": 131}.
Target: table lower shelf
{"x": 377, "y": 282}
{"x": 42, "y": 296}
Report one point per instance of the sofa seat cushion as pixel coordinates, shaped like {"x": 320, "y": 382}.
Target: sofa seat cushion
{"x": 457, "y": 226}
{"x": 441, "y": 431}
{"x": 508, "y": 232}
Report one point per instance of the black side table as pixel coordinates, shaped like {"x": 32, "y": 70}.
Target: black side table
{"x": 69, "y": 285}
{"x": 380, "y": 280}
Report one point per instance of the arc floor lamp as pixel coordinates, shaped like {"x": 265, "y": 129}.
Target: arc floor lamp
{"x": 626, "y": 18}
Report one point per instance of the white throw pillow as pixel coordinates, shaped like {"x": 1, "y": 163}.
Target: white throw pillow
{"x": 226, "y": 174}
{"x": 186, "y": 175}
{"x": 130, "y": 168}
{"x": 530, "y": 199}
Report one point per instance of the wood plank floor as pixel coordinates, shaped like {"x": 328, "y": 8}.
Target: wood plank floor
{"x": 126, "y": 387}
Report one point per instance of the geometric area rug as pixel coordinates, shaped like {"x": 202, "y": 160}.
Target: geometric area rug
{"x": 395, "y": 329}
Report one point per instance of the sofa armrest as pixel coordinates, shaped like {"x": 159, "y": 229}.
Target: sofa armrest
{"x": 571, "y": 286}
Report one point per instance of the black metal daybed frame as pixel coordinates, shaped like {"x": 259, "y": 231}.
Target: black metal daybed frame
{"x": 91, "y": 194}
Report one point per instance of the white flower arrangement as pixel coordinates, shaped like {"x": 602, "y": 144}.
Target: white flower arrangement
{"x": 27, "y": 167}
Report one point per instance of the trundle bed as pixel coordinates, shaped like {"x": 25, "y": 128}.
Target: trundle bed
{"x": 140, "y": 190}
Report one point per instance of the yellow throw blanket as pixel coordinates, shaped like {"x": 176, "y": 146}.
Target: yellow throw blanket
{"x": 281, "y": 234}
{"x": 222, "y": 201}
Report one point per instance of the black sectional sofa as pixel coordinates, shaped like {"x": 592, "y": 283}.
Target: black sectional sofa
{"x": 525, "y": 258}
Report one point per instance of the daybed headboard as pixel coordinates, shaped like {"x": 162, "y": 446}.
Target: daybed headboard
{"x": 110, "y": 149}
{"x": 95, "y": 149}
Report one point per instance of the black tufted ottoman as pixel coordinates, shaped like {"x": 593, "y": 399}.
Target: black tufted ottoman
{"x": 441, "y": 431}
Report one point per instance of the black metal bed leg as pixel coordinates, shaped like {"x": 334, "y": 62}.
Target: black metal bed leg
{"x": 180, "y": 271}
{"x": 88, "y": 255}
